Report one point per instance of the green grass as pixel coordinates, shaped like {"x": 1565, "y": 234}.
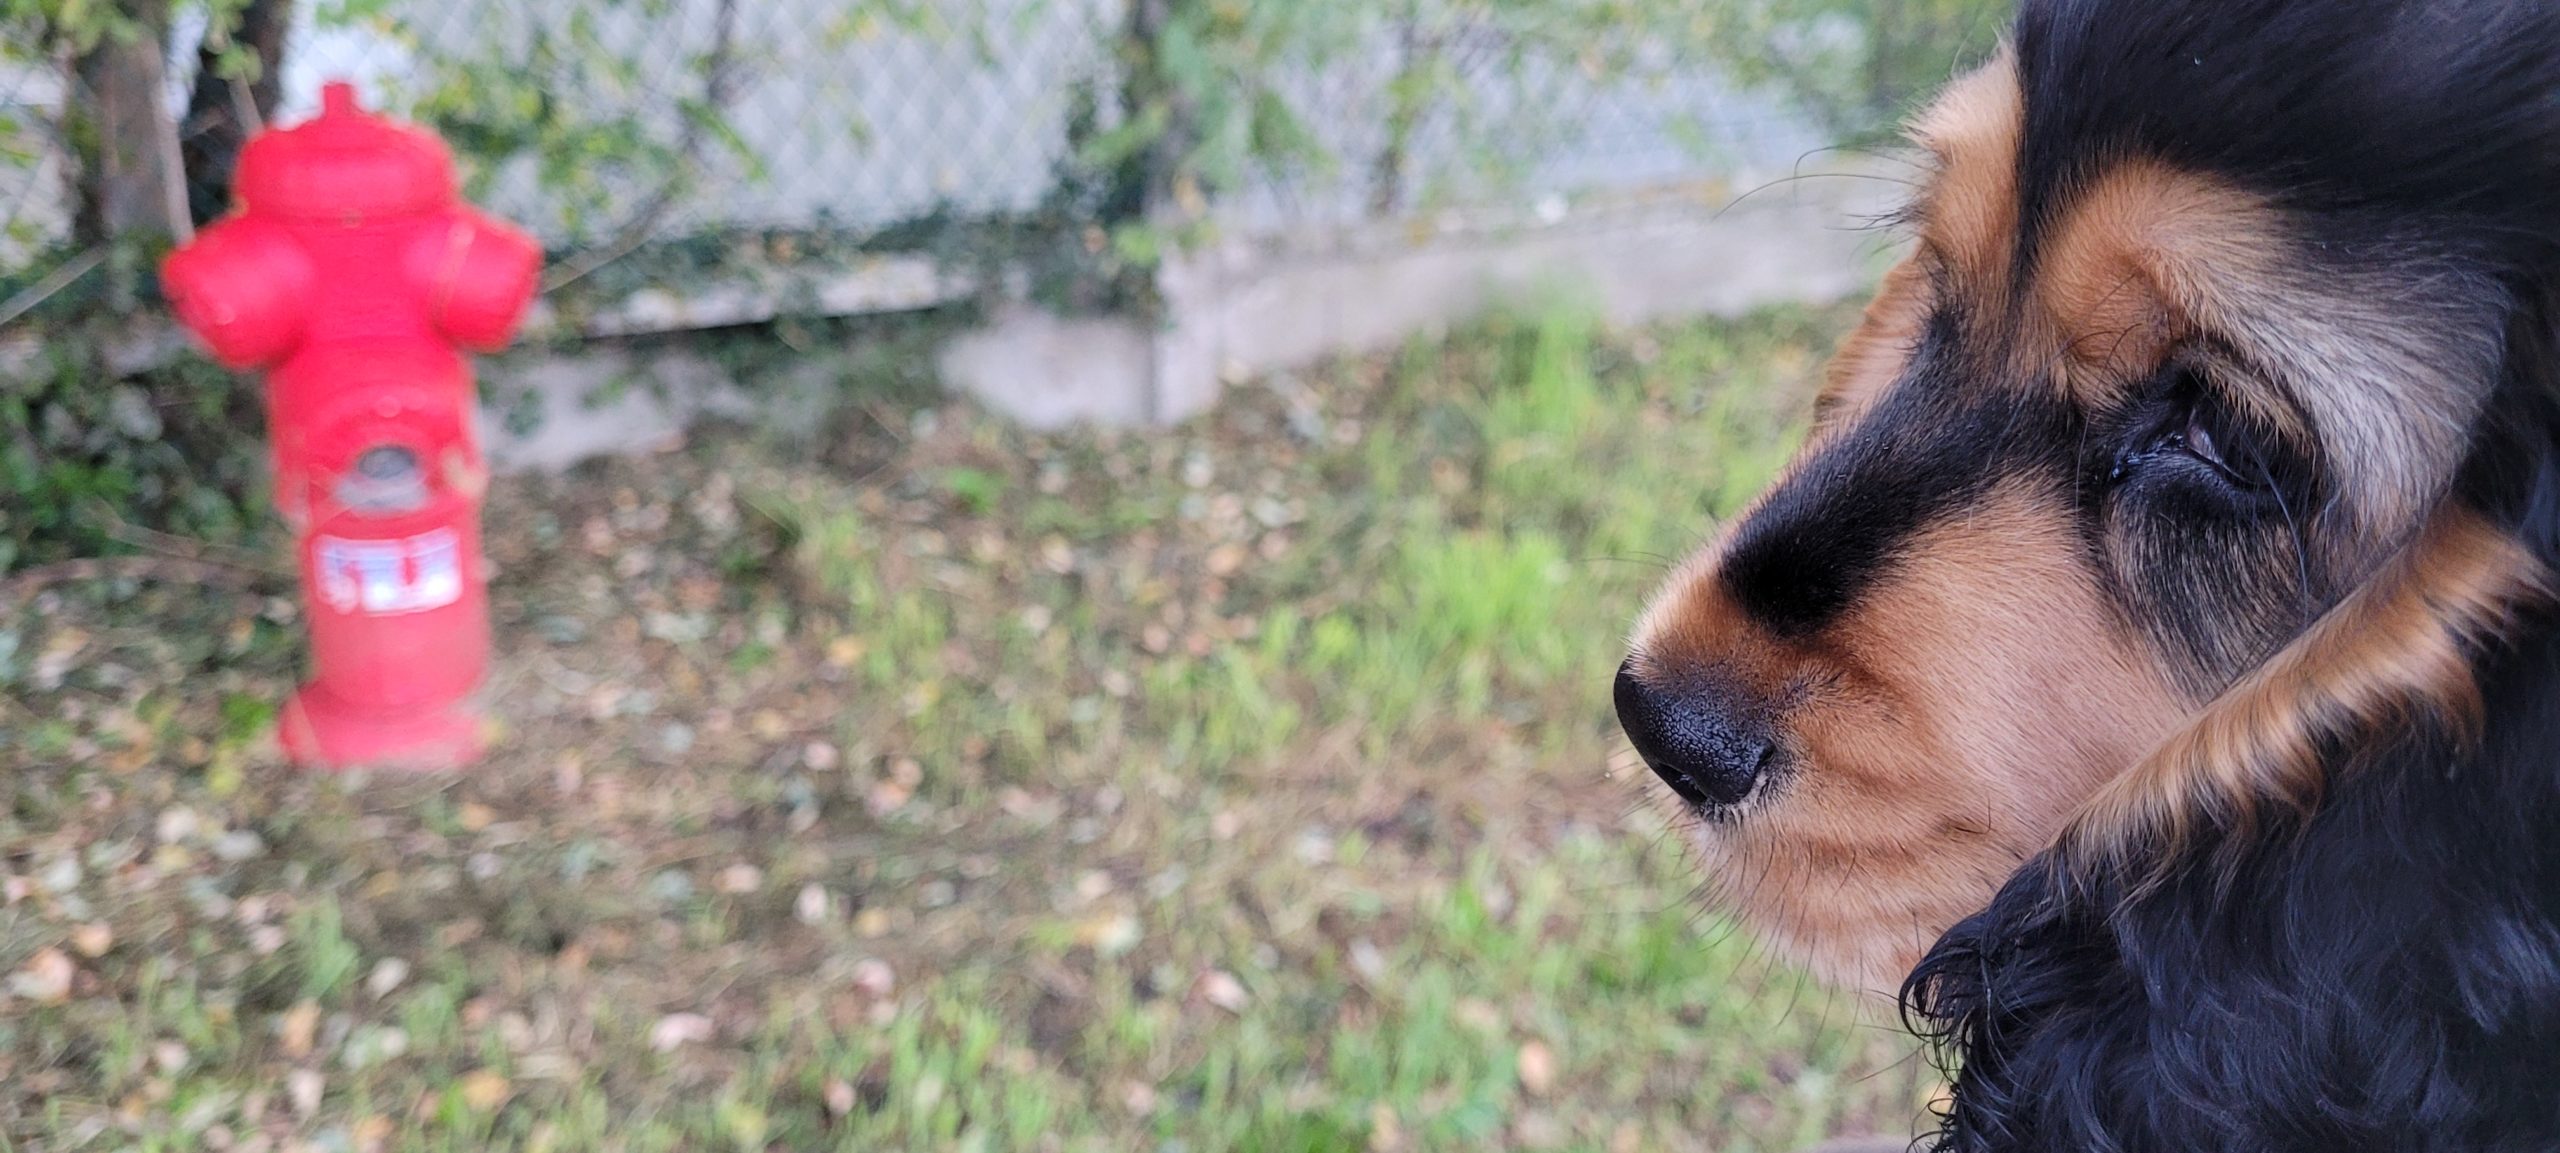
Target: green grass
{"x": 1245, "y": 786}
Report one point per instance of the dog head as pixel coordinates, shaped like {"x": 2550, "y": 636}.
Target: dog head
{"x": 2142, "y": 480}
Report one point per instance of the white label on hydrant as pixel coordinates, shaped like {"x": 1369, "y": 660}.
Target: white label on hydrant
{"x": 389, "y": 577}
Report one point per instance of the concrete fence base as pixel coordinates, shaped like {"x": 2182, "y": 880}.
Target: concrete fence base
{"x": 1249, "y": 308}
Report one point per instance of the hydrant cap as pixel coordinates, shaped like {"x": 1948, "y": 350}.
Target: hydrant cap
{"x": 345, "y": 164}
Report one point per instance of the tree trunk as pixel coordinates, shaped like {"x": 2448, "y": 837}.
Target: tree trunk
{"x": 216, "y": 123}
{"x": 1417, "y": 54}
{"x": 127, "y": 184}
{"x": 1146, "y": 185}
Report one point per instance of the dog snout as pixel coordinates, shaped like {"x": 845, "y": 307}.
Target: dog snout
{"x": 1705, "y": 739}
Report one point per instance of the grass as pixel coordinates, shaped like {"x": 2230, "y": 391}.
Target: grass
{"x": 926, "y": 784}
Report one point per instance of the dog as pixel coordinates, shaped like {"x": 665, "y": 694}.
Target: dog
{"x": 2148, "y": 669}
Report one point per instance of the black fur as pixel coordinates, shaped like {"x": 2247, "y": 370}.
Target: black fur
{"x": 2383, "y": 974}
{"x": 2365, "y": 116}
{"x": 1930, "y": 451}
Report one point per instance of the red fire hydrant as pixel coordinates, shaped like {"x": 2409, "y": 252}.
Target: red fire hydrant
{"x": 353, "y": 271}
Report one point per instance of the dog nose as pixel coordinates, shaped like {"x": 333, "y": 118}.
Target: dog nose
{"x": 1701, "y": 742}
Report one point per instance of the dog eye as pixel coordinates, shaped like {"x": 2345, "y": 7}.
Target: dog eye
{"x": 2227, "y": 450}
{"x": 2181, "y": 427}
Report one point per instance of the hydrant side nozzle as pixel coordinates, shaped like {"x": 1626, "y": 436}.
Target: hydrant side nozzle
{"x": 481, "y": 277}
{"x": 244, "y": 289}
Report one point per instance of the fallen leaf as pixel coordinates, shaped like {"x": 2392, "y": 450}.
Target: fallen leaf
{"x": 474, "y": 816}
{"x": 62, "y": 876}
{"x": 741, "y": 879}
{"x": 296, "y": 1029}
{"x": 304, "y": 1088}
{"x": 874, "y": 978}
{"x": 374, "y": 1044}
{"x": 1036, "y": 811}
{"x": 387, "y": 975}
{"x": 1110, "y": 935}
{"x": 60, "y": 652}
{"x": 677, "y": 1030}
{"x": 93, "y": 940}
{"x": 1367, "y": 961}
{"x": 888, "y": 797}
{"x": 176, "y": 823}
{"x": 46, "y": 977}
{"x": 1220, "y": 988}
{"x": 1537, "y": 1068}
{"x": 483, "y": 1090}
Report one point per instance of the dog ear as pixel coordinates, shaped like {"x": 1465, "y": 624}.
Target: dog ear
{"x": 2396, "y": 653}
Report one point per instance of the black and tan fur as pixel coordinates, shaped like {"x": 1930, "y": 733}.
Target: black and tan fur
{"x": 2166, "y": 576}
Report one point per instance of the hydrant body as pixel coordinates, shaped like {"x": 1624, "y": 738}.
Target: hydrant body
{"x": 353, "y": 273}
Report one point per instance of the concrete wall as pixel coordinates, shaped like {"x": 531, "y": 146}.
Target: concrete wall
{"x": 1279, "y": 303}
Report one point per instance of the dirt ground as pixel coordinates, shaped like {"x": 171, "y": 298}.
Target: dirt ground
{"x": 919, "y": 783}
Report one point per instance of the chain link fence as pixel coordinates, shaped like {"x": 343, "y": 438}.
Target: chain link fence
{"x": 34, "y": 186}
{"x": 842, "y": 116}
{"x": 693, "y": 130}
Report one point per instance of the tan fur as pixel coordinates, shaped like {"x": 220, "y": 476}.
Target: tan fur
{"x": 2394, "y": 653}
{"x": 1969, "y": 219}
{"x": 2148, "y": 256}
{"x": 1939, "y": 738}
{"x": 2098, "y": 298}
{"x": 1875, "y": 352}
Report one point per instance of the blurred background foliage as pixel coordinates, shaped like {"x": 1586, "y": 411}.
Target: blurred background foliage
{"x": 626, "y": 115}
